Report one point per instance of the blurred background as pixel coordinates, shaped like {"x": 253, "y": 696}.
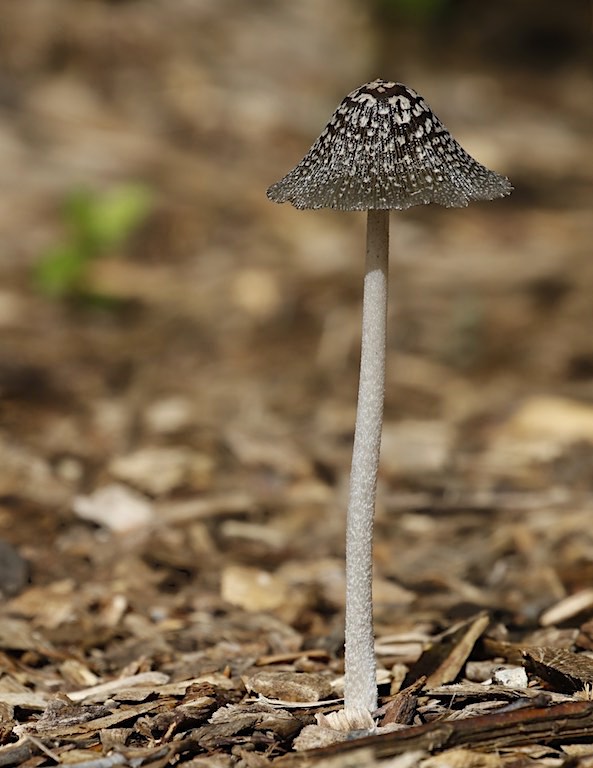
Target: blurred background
{"x": 166, "y": 327}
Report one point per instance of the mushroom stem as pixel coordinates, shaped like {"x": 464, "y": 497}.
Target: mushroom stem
{"x": 360, "y": 688}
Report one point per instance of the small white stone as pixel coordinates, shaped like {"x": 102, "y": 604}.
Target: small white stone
{"x": 510, "y": 677}
{"x": 169, "y": 414}
{"x": 115, "y": 507}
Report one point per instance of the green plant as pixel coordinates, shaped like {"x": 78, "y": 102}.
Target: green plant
{"x": 95, "y": 224}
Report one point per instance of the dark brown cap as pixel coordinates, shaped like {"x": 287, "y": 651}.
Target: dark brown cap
{"x": 384, "y": 148}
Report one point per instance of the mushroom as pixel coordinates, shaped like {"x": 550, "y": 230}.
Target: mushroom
{"x": 382, "y": 149}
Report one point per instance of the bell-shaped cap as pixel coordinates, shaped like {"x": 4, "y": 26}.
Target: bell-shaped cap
{"x": 384, "y": 148}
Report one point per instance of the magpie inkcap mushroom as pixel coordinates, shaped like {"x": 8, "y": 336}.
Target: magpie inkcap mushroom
{"x": 385, "y": 149}
{"x": 382, "y": 149}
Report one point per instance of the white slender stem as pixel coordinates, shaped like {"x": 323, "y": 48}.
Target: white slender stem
{"x": 360, "y": 694}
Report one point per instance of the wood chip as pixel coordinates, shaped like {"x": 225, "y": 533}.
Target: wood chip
{"x": 29, "y": 700}
{"x": 567, "y": 608}
{"x": 462, "y": 758}
{"x": 283, "y": 658}
{"x": 17, "y": 635}
{"x": 290, "y": 686}
{"x": 402, "y": 707}
{"x": 253, "y": 589}
{"x": 563, "y": 670}
{"x": 106, "y": 689}
{"x": 75, "y": 725}
{"x": 444, "y": 659}
{"x": 116, "y": 507}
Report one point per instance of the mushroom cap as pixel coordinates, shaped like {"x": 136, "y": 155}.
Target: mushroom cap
{"x": 384, "y": 148}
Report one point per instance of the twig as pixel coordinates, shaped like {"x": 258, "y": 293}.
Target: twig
{"x": 532, "y": 725}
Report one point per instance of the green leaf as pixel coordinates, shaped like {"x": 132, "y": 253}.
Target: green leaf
{"x": 61, "y": 270}
{"x": 95, "y": 224}
{"x": 114, "y": 216}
